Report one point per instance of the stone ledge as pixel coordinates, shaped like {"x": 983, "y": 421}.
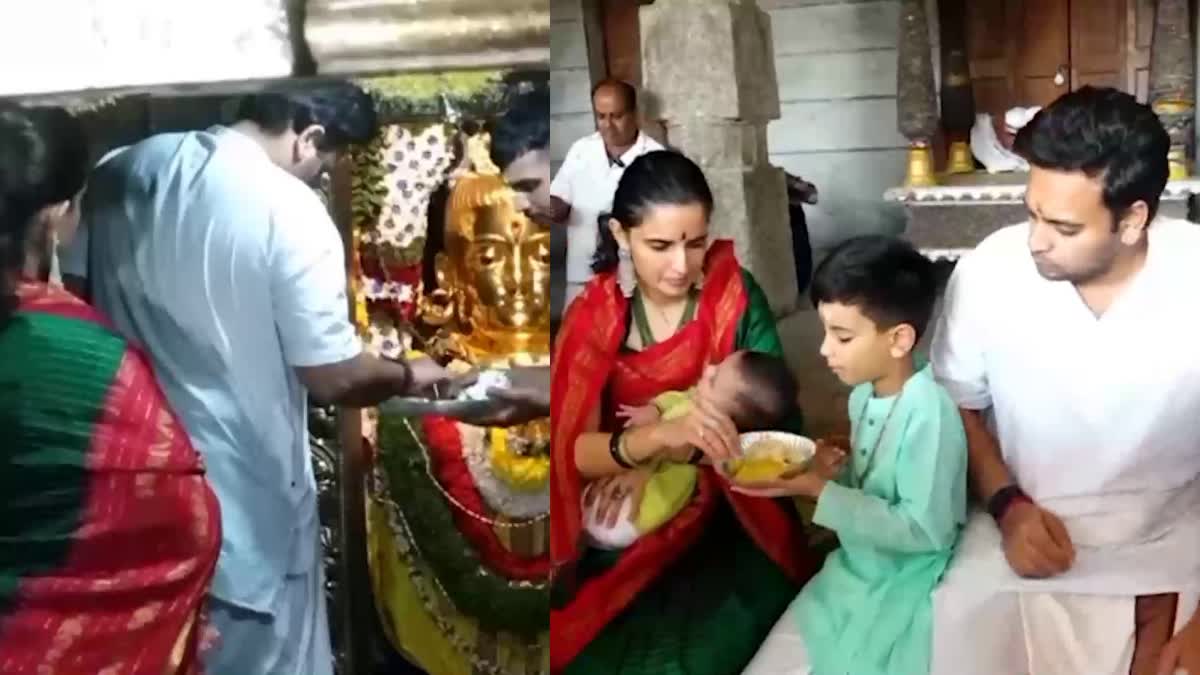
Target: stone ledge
{"x": 1002, "y": 192}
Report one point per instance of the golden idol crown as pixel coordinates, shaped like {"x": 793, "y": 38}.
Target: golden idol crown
{"x": 481, "y": 187}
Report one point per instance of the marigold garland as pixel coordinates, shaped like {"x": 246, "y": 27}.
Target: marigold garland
{"x": 522, "y": 473}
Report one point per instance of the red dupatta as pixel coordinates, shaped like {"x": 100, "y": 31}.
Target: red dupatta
{"x": 586, "y": 362}
{"x": 125, "y": 595}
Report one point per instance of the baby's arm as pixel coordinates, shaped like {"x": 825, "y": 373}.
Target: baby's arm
{"x": 930, "y": 493}
{"x": 665, "y": 406}
{"x": 639, "y": 415}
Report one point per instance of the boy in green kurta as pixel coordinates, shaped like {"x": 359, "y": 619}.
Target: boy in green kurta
{"x": 897, "y": 497}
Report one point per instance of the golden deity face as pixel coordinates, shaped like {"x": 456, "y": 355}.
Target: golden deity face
{"x": 499, "y": 257}
{"x": 511, "y": 259}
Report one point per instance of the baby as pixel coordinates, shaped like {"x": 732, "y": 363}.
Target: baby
{"x": 754, "y": 389}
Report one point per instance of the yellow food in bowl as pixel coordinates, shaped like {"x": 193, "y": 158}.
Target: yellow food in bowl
{"x": 767, "y": 459}
{"x": 757, "y": 470}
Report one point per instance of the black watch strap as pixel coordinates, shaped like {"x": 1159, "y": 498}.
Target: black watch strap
{"x": 1004, "y": 498}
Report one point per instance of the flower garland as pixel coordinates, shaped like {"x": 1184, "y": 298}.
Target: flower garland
{"x": 460, "y": 631}
{"x": 394, "y": 177}
{"x": 440, "y": 95}
{"x": 445, "y": 457}
{"x": 493, "y": 485}
{"x": 523, "y": 473}
{"x": 498, "y": 603}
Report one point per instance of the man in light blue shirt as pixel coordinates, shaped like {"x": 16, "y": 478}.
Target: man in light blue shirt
{"x": 210, "y": 249}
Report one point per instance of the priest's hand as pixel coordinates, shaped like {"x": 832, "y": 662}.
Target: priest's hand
{"x": 1182, "y": 653}
{"x": 527, "y": 399}
{"x": 1036, "y": 542}
{"x": 433, "y": 381}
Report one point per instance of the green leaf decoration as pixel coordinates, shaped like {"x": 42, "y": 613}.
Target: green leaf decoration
{"x": 497, "y": 603}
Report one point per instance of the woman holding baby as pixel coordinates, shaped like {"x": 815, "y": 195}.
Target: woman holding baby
{"x": 699, "y": 592}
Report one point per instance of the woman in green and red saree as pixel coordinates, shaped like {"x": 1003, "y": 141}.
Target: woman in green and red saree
{"x": 109, "y": 533}
{"x": 699, "y": 594}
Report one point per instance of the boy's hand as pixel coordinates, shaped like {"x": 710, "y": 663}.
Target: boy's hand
{"x": 639, "y": 415}
{"x": 830, "y": 457}
{"x": 793, "y": 484}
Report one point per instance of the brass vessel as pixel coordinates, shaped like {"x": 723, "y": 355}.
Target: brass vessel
{"x": 920, "y": 166}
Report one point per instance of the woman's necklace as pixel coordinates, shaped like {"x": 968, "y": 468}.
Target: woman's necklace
{"x": 861, "y": 478}
{"x": 645, "y": 331}
{"x": 662, "y": 314}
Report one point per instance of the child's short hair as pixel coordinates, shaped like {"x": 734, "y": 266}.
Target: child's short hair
{"x": 768, "y": 394}
{"x": 887, "y": 279}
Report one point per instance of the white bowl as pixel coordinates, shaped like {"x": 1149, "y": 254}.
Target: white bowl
{"x": 797, "y": 450}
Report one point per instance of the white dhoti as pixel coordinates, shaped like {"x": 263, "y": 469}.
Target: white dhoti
{"x": 293, "y": 641}
{"x": 989, "y": 621}
{"x": 291, "y": 637}
{"x": 783, "y": 652}
{"x": 1098, "y": 425}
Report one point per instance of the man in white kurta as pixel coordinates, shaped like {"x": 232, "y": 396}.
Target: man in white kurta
{"x": 1095, "y": 416}
{"x": 208, "y": 249}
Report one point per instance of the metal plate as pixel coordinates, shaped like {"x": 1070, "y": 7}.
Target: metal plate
{"x": 414, "y": 407}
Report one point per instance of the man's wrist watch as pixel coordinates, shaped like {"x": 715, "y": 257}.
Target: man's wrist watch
{"x": 1004, "y": 498}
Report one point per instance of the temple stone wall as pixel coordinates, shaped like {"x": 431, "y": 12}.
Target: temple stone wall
{"x": 570, "y": 82}
{"x": 709, "y": 78}
{"x": 570, "y": 115}
{"x": 836, "y": 65}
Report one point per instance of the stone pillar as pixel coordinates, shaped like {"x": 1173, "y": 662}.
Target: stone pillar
{"x": 1173, "y": 79}
{"x": 708, "y": 69}
{"x": 916, "y": 96}
{"x": 958, "y": 101}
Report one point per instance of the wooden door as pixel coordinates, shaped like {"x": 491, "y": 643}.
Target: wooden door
{"x": 1017, "y": 50}
{"x": 1043, "y": 52}
{"x": 1030, "y": 52}
{"x": 990, "y": 38}
{"x": 622, "y": 40}
{"x": 1098, "y": 44}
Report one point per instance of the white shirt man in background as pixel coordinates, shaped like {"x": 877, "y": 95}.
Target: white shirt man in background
{"x": 583, "y": 188}
{"x": 1070, "y": 344}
